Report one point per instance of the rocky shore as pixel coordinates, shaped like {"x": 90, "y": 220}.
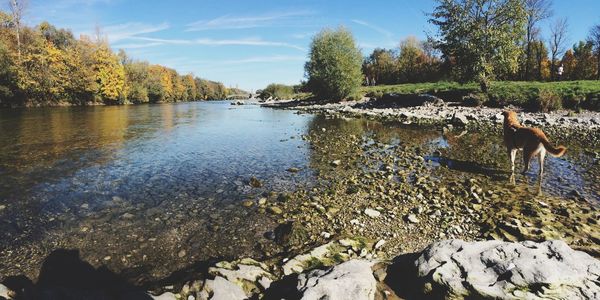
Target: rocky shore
{"x": 427, "y": 109}
{"x": 349, "y": 269}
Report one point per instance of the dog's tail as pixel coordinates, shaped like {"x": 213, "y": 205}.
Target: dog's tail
{"x": 555, "y": 151}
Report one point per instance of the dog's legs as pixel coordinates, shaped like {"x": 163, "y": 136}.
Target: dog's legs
{"x": 528, "y": 153}
{"x": 513, "y": 155}
{"x": 541, "y": 160}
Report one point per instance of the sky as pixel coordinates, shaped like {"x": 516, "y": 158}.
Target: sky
{"x": 249, "y": 44}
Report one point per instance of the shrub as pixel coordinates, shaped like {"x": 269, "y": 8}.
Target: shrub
{"x": 334, "y": 66}
{"x": 474, "y": 99}
{"x": 548, "y": 101}
{"x": 277, "y": 91}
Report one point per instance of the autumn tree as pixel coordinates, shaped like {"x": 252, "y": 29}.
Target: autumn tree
{"x": 110, "y": 74}
{"x": 481, "y": 36}
{"x": 381, "y": 66}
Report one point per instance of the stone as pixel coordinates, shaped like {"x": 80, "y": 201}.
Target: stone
{"x": 221, "y": 289}
{"x": 412, "y": 218}
{"x": 336, "y": 162}
{"x": 181, "y": 254}
{"x": 502, "y": 270}
{"x": 350, "y": 280}
{"x": 262, "y": 201}
{"x": 247, "y": 203}
{"x": 275, "y": 210}
{"x": 165, "y": 296}
{"x": 255, "y": 183}
{"x": 127, "y": 216}
{"x": 372, "y": 213}
{"x": 4, "y": 291}
{"x": 248, "y": 274}
{"x": 379, "y": 244}
{"x": 293, "y": 170}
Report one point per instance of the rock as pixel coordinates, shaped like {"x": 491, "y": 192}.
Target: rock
{"x": 496, "y": 269}
{"x": 127, "y": 216}
{"x": 412, "y": 218}
{"x": 293, "y": 170}
{"x": 275, "y": 210}
{"x": 262, "y": 201}
{"x": 247, "y": 203}
{"x": 221, "y": 289}
{"x": 181, "y": 254}
{"x": 248, "y": 274}
{"x": 379, "y": 244}
{"x": 325, "y": 235}
{"x": 460, "y": 119}
{"x": 350, "y": 280}
{"x": 165, "y": 296}
{"x": 4, "y": 291}
{"x": 372, "y": 213}
{"x": 336, "y": 162}
{"x": 254, "y": 182}
{"x": 324, "y": 255}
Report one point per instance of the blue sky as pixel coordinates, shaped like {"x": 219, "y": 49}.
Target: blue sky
{"x": 252, "y": 43}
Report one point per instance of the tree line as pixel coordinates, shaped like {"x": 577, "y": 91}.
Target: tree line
{"x": 491, "y": 40}
{"x": 475, "y": 41}
{"x": 45, "y": 65}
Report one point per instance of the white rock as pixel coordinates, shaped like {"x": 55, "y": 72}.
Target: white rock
{"x": 501, "y": 270}
{"x": 372, "y": 213}
{"x": 350, "y": 280}
{"x": 165, "y": 296}
{"x": 3, "y": 291}
{"x": 379, "y": 244}
{"x": 221, "y": 289}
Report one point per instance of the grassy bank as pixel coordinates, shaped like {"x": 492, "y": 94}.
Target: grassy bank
{"x": 529, "y": 95}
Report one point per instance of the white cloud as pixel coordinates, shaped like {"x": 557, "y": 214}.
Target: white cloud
{"x": 385, "y": 32}
{"x": 242, "y": 22}
{"x": 129, "y": 30}
{"x": 222, "y": 42}
{"x": 137, "y": 45}
{"x": 249, "y": 60}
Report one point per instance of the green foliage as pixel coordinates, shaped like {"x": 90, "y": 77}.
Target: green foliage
{"x": 548, "y": 101}
{"x": 334, "y": 66}
{"x": 277, "y": 91}
{"x": 480, "y": 37}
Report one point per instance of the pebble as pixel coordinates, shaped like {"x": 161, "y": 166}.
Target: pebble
{"x": 379, "y": 244}
{"x": 412, "y": 218}
{"x": 336, "y": 162}
{"x": 262, "y": 201}
{"x": 372, "y": 213}
{"x": 181, "y": 254}
{"x": 275, "y": 210}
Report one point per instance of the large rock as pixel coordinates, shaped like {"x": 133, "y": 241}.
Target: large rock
{"x": 221, "y": 289}
{"x": 496, "y": 269}
{"x": 350, "y": 280}
{"x": 252, "y": 276}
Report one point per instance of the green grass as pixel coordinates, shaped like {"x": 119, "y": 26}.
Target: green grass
{"x": 528, "y": 95}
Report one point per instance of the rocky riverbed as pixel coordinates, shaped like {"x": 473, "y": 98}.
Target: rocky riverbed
{"x": 391, "y": 185}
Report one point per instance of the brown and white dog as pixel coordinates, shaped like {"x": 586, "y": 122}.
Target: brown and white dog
{"x": 532, "y": 141}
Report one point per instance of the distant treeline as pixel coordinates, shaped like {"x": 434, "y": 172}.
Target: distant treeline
{"x": 44, "y": 65}
{"x": 495, "y": 40}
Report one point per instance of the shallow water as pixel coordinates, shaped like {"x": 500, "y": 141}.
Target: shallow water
{"x": 148, "y": 190}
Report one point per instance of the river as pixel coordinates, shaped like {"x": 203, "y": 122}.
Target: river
{"x": 148, "y": 190}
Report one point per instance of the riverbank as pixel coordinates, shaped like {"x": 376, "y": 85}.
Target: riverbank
{"x": 351, "y": 269}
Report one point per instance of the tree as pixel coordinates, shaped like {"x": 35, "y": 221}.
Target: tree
{"x": 594, "y": 39}
{"x": 17, "y": 8}
{"x": 277, "y": 91}
{"x": 537, "y": 10}
{"x": 381, "y": 66}
{"x": 334, "y": 66}
{"x": 411, "y": 60}
{"x": 584, "y": 61}
{"x": 110, "y": 74}
{"x": 481, "y": 37}
{"x": 558, "y": 37}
